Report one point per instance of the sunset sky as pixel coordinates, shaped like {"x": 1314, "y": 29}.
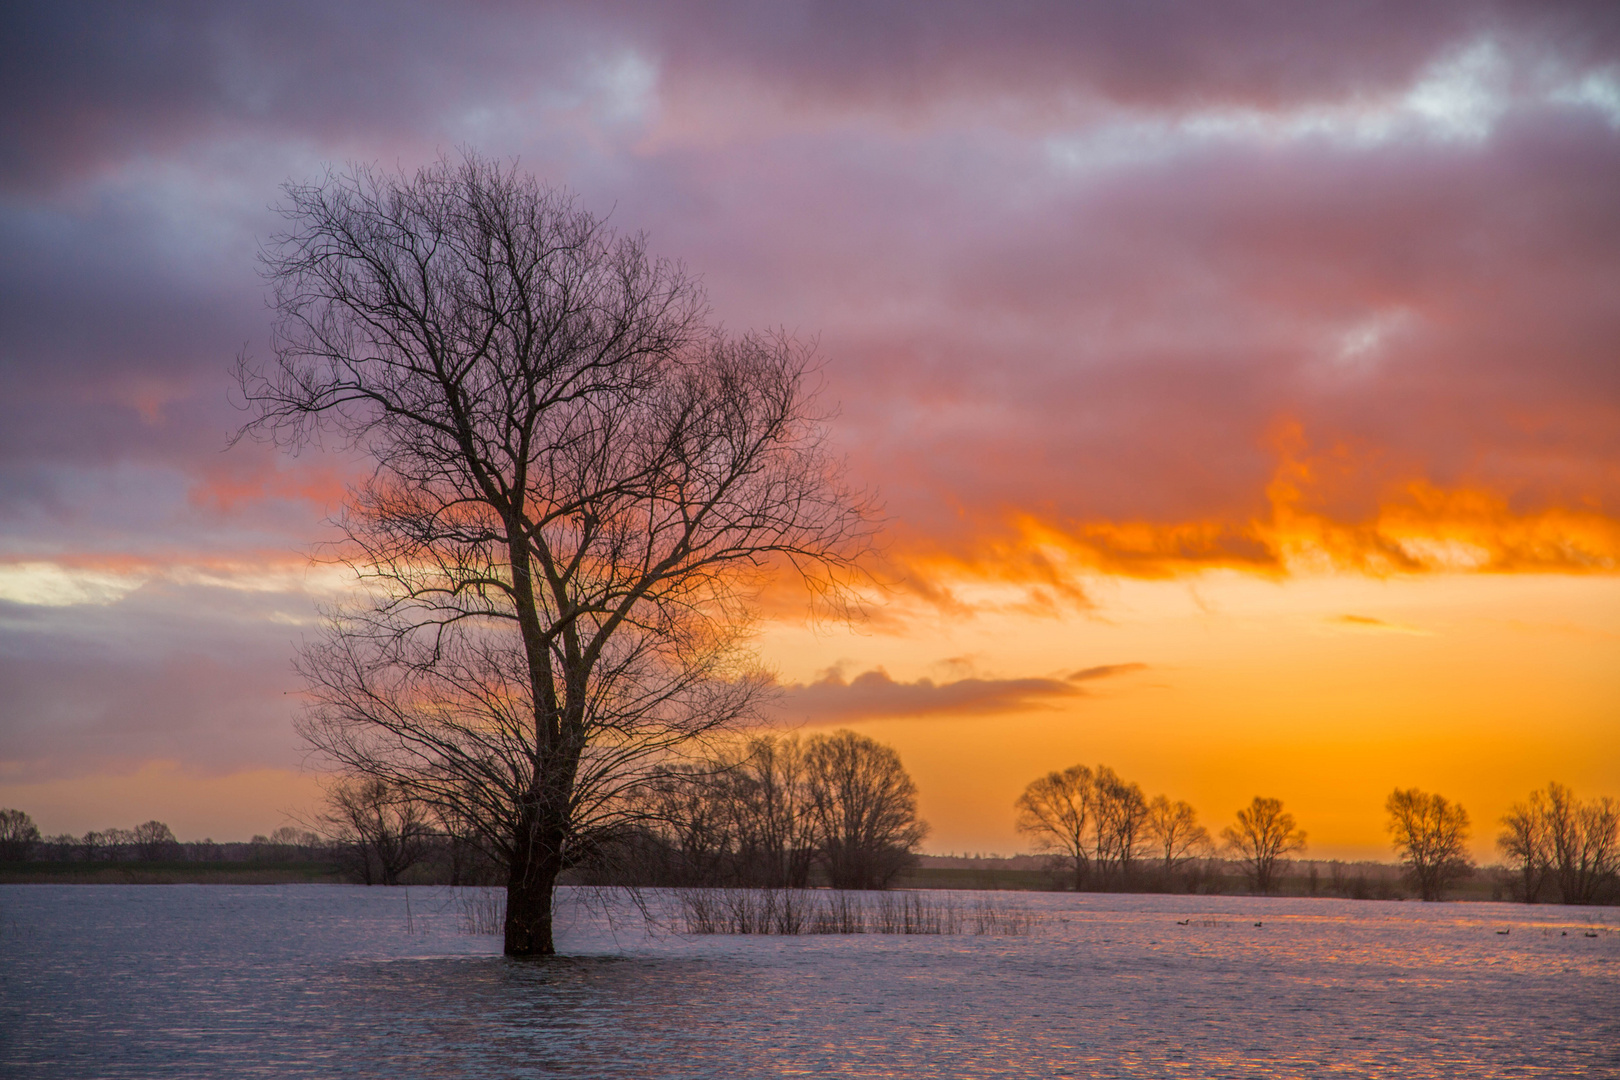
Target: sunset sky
{"x": 1241, "y": 381}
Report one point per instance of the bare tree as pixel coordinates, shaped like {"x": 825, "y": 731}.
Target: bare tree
{"x": 1525, "y": 841}
{"x": 865, "y": 808}
{"x": 1430, "y": 833}
{"x": 577, "y": 485}
{"x": 18, "y": 835}
{"x": 153, "y": 841}
{"x": 384, "y": 831}
{"x": 299, "y": 842}
{"x": 693, "y": 822}
{"x": 1553, "y": 837}
{"x": 772, "y": 811}
{"x": 1585, "y": 842}
{"x": 1262, "y": 837}
{"x": 1055, "y": 812}
{"x": 1175, "y": 832}
{"x": 1121, "y": 812}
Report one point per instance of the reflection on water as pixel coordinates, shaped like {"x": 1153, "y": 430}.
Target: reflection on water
{"x": 223, "y": 981}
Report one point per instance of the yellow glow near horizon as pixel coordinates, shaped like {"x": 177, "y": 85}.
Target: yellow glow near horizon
{"x": 224, "y": 807}
{"x": 1327, "y": 692}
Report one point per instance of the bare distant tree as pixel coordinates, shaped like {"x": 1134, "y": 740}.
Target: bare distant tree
{"x": 1525, "y": 841}
{"x": 690, "y": 812}
{"x": 773, "y": 811}
{"x": 18, "y": 835}
{"x": 1430, "y": 833}
{"x": 1055, "y": 812}
{"x": 115, "y": 845}
{"x": 578, "y": 483}
{"x": 1262, "y": 837}
{"x": 1585, "y": 841}
{"x": 1553, "y": 837}
{"x": 1175, "y": 833}
{"x": 1121, "y": 812}
{"x": 865, "y": 809}
{"x": 302, "y": 842}
{"x": 153, "y": 841}
{"x": 384, "y": 831}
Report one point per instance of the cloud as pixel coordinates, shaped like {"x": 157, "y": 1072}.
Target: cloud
{"x": 1103, "y": 671}
{"x": 1019, "y": 350}
{"x": 1112, "y": 289}
{"x": 874, "y": 695}
{"x": 194, "y": 667}
{"x": 1368, "y": 624}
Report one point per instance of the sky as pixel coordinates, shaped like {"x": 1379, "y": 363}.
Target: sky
{"x": 1241, "y": 381}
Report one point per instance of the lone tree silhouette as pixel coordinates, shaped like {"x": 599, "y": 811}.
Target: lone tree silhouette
{"x": 576, "y": 484}
{"x": 1430, "y": 833}
{"x": 1262, "y": 837}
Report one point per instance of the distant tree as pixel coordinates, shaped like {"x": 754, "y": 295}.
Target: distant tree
{"x": 108, "y": 845}
{"x": 384, "y": 831}
{"x": 1430, "y": 834}
{"x": 18, "y": 835}
{"x": 1122, "y": 812}
{"x": 1585, "y": 841}
{"x": 1526, "y": 842}
{"x": 1175, "y": 833}
{"x": 153, "y": 841}
{"x": 865, "y": 810}
{"x": 689, "y": 812}
{"x": 1055, "y": 812}
{"x": 1554, "y": 838}
{"x": 774, "y": 828}
{"x": 63, "y": 846}
{"x": 301, "y": 842}
{"x": 1262, "y": 837}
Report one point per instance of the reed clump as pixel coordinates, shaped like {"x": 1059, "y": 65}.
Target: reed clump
{"x": 483, "y": 911}
{"x": 834, "y": 911}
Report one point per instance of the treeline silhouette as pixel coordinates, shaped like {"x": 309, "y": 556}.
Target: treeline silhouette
{"x": 378, "y": 857}
{"x": 770, "y": 811}
{"x": 839, "y": 810}
{"x": 1104, "y": 834}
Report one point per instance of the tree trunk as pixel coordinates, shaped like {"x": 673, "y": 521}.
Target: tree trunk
{"x": 529, "y": 891}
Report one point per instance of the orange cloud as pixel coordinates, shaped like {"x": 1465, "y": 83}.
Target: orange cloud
{"x": 1334, "y": 509}
{"x": 874, "y": 695}
{"x": 239, "y": 480}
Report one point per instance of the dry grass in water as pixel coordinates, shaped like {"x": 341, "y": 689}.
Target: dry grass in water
{"x": 814, "y": 911}
{"x": 483, "y": 911}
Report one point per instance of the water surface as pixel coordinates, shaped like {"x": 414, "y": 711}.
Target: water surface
{"x": 321, "y": 980}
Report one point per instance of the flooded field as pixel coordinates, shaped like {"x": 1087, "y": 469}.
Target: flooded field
{"x": 226, "y": 981}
